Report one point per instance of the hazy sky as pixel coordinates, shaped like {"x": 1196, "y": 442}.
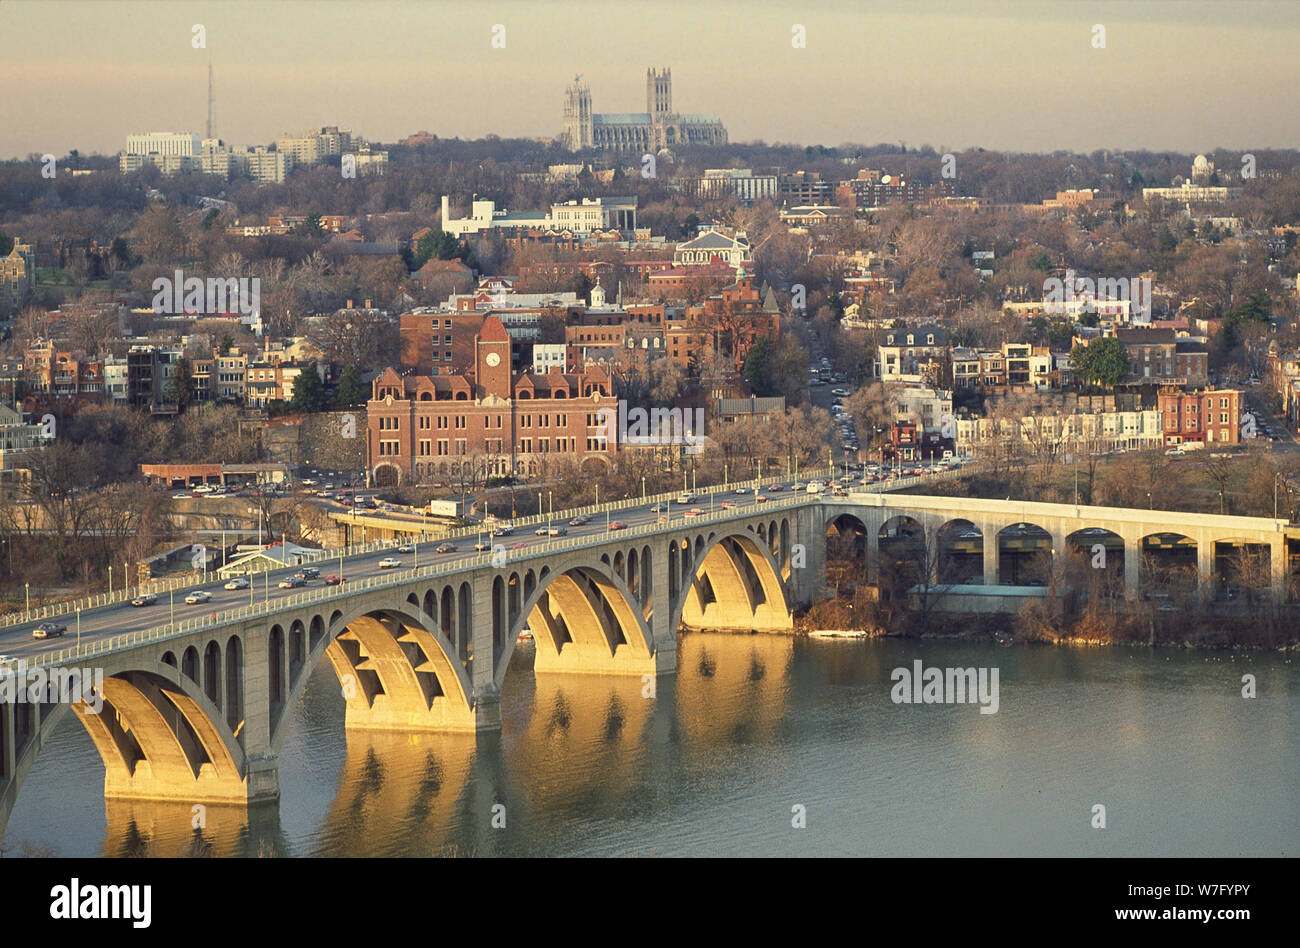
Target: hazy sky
{"x": 1181, "y": 74}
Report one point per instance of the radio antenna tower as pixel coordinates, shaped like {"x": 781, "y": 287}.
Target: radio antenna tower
{"x": 211, "y": 98}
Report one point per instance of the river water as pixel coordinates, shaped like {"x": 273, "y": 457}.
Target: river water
{"x": 754, "y": 735}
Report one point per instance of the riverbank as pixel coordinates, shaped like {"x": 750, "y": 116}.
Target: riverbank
{"x": 865, "y": 617}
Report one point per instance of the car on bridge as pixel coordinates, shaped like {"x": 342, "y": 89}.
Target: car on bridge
{"x": 198, "y": 596}
{"x": 774, "y": 488}
{"x": 760, "y": 499}
{"x": 148, "y": 599}
{"x": 617, "y": 525}
{"x": 239, "y": 582}
{"x": 727, "y": 505}
{"x": 405, "y": 548}
{"x": 686, "y": 499}
{"x": 552, "y": 532}
{"x": 308, "y": 572}
{"x": 291, "y": 582}
{"x": 389, "y": 563}
{"x": 483, "y": 546}
{"x": 742, "y": 490}
{"x": 695, "y": 512}
{"x": 658, "y": 508}
{"x": 445, "y": 548}
{"x": 332, "y": 580}
{"x": 518, "y": 546}
{"x": 49, "y": 630}
{"x": 580, "y": 521}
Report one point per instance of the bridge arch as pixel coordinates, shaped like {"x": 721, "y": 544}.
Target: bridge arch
{"x": 156, "y": 733}
{"x": 959, "y": 548}
{"x": 733, "y": 583}
{"x": 583, "y": 618}
{"x": 395, "y": 666}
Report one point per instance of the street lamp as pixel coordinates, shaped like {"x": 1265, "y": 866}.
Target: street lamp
{"x": 643, "y": 489}
{"x": 27, "y": 587}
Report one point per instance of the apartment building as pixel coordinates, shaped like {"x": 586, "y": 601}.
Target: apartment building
{"x": 1212, "y": 416}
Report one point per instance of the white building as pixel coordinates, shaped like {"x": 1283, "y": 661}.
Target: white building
{"x": 710, "y": 245}
{"x": 547, "y": 354}
{"x": 164, "y": 143}
{"x": 577, "y": 217}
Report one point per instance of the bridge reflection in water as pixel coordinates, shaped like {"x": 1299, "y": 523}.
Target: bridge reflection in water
{"x": 572, "y": 748}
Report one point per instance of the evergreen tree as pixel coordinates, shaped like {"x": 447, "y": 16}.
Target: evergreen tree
{"x": 351, "y": 390}
{"x": 308, "y": 391}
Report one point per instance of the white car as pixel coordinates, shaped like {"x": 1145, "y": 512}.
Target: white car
{"x": 239, "y": 582}
{"x": 197, "y": 597}
{"x": 389, "y": 562}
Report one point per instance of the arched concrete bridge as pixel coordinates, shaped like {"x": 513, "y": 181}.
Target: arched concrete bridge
{"x": 196, "y": 712}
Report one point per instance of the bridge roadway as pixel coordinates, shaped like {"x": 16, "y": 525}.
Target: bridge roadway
{"x": 195, "y": 710}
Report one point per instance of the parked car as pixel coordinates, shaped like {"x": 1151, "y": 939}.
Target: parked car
{"x": 239, "y": 582}
{"x": 333, "y": 580}
{"x": 198, "y": 596}
{"x": 445, "y": 548}
{"x": 389, "y": 563}
{"x": 49, "y": 630}
{"x": 148, "y": 599}
{"x": 292, "y": 582}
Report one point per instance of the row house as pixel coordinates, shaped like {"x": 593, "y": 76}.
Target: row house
{"x": 1212, "y": 417}
{"x": 906, "y": 354}
{"x": 1015, "y": 365}
{"x": 267, "y": 382}
{"x": 1158, "y": 356}
{"x": 1072, "y": 433}
{"x": 489, "y": 421}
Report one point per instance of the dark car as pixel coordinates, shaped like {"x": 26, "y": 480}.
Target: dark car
{"x": 307, "y": 572}
{"x": 148, "y": 599}
{"x": 48, "y": 630}
{"x": 446, "y": 548}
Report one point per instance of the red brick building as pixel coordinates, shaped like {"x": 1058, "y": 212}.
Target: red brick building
{"x": 487, "y": 420}
{"x": 1212, "y": 417}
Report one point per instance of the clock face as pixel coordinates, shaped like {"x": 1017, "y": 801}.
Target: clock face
{"x": 493, "y": 359}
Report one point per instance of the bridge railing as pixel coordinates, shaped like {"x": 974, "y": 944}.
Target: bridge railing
{"x": 400, "y": 578}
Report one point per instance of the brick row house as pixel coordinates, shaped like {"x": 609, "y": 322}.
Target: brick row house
{"x": 1212, "y": 416}
{"x": 488, "y": 419}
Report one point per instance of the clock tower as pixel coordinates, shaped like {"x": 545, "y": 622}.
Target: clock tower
{"x": 492, "y": 358}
